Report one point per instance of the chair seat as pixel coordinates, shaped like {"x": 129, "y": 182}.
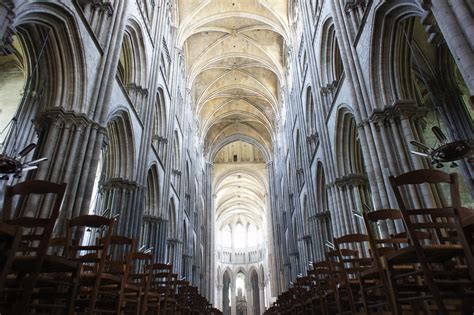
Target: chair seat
{"x": 132, "y": 287}
{"x": 370, "y": 273}
{"x": 107, "y": 278}
{"x": 433, "y": 253}
{"x": 51, "y": 264}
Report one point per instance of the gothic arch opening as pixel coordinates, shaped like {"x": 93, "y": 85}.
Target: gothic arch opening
{"x": 352, "y": 177}
{"x": 44, "y": 46}
{"x": 159, "y": 124}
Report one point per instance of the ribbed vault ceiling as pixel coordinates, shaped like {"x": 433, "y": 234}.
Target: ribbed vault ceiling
{"x": 235, "y": 60}
{"x": 240, "y": 189}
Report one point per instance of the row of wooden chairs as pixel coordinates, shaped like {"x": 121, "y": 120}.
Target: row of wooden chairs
{"x": 88, "y": 271}
{"x": 424, "y": 265}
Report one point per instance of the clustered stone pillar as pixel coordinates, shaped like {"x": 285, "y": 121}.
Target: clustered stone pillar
{"x": 154, "y": 230}
{"x": 122, "y": 197}
{"x": 261, "y": 292}
{"x": 233, "y": 298}
{"x": 455, "y": 20}
{"x": 68, "y": 140}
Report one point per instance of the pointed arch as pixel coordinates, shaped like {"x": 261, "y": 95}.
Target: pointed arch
{"x": 120, "y": 153}
{"x": 310, "y": 114}
{"x": 153, "y": 191}
{"x": 132, "y": 68}
{"x": 330, "y": 60}
{"x": 49, "y": 64}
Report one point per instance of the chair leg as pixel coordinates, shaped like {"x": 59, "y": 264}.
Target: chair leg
{"x": 22, "y": 305}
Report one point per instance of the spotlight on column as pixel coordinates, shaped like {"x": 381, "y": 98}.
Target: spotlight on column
{"x": 329, "y": 245}
{"x": 357, "y": 214}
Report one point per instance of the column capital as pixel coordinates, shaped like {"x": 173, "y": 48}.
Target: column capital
{"x": 119, "y": 183}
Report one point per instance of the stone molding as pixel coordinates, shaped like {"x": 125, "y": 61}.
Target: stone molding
{"x": 119, "y": 183}
{"x": 351, "y": 180}
{"x": 60, "y": 117}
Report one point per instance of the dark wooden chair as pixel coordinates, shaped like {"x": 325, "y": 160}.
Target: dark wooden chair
{"x": 182, "y": 297}
{"x": 304, "y": 290}
{"x": 34, "y": 206}
{"x": 325, "y": 298}
{"x": 354, "y": 259}
{"x": 368, "y": 283}
{"x": 345, "y": 300}
{"x": 162, "y": 293}
{"x": 446, "y": 259}
{"x": 137, "y": 286}
{"x": 114, "y": 283}
{"x": 92, "y": 256}
{"x": 403, "y": 288}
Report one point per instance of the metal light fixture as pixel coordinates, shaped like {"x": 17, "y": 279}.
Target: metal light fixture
{"x": 446, "y": 151}
{"x": 10, "y": 163}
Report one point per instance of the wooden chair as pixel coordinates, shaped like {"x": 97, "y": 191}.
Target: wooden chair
{"x": 114, "y": 283}
{"x": 31, "y": 261}
{"x": 345, "y": 286}
{"x": 93, "y": 258}
{"x": 182, "y": 297}
{"x": 326, "y": 291}
{"x": 446, "y": 259}
{"x": 138, "y": 278}
{"x": 399, "y": 276}
{"x": 354, "y": 259}
{"x": 304, "y": 291}
{"x": 367, "y": 281}
{"x": 161, "y": 297}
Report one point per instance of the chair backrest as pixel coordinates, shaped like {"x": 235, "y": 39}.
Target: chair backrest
{"x": 139, "y": 273}
{"x": 442, "y": 223}
{"x": 322, "y": 275}
{"x": 163, "y": 281}
{"x": 353, "y": 254}
{"x": 121, "y": 249}
{"x": 94, "y": 255}
{"x": 21, "y": 209}
{"x": 29, "y": 208}
{"x": 336, "y": 265}
{"x": 183, "y": 292}
{"x": 381, "y": 245}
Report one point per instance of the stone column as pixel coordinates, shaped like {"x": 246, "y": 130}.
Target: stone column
{"x": 456, "y": 22}
{"x": 261, "y": 297}
{"x": 122, "y": 197}
{"x": 69, "y": 140}
{"x": 233, "y": 300}
{"x": 155, "y": 235}
{"x": 6, "y": 18}
{"x": 218, "y": 300}
{"x": 249, "y": 296}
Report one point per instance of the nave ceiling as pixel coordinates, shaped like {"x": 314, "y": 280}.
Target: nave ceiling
{"x": 235, "y": 62}
{"x": 234, "y": 52}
